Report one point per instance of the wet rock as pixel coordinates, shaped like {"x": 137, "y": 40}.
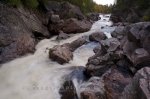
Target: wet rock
{"x": 139, "y": 87}
{"x": 97, "y": 49}
{"x": 62, "y": 54}
{"x": 114, "y": 82}
{"x": 93, "y": 89}
{"x": 69, "y": 90}
{"x": 97, "y": 36}
{"x": 77, "y": 43}
{"x": 62, "y": 36}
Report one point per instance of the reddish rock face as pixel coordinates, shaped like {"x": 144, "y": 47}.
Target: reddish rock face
{"x": 139, "y": 87}
{"x": 64, "y": 53}
{"x": 114, "y": 82}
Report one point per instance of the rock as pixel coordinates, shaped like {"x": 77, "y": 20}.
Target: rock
{"x": 93, "y": 16}
{"x": 139, "y": 87}
{"x": 98, "y": 65}
{"x": 20, "y": 30}
{"x": 115, "y": 81}
{"x": 77, "y": 43}
{"x": 62, "y": 54}
{"x": 118, "y": 32}
{"x": 97, "y": 49}
{"x": 62, "y": 36}
{"x": 97, "y": 36}
{"x": 133, "y": 17}
{"x": 71, "y": 25}
{"x": 138, "y": 31}
{"x": 111, "y": 44}
{"x": 69, "y": 89}
{"x": 140, "y": 58}
{"x": 54, "y": 19}
{"x": 64, "y": 9}
{"x": 115, "y": 18}
{"x": 75, "y": 26}
{"x": 93, "y": 89}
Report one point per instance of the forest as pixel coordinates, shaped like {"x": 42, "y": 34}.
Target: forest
{"x": 132, "y": 10}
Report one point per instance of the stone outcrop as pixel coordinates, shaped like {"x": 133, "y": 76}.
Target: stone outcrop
{"x": 20, "y": 29}
{"x": 64, "y": 9}
{"x": 139, "y": 87}
{"x": 93, "y": 89}
{"x": 97, "y": 36}
{"x": 64, "y": 53}
{"x": 70, "y": 25}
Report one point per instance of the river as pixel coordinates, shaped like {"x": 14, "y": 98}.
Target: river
{"x": 35, "y": 76}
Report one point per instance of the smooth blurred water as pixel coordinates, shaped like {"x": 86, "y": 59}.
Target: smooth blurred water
{"x": 35, "y": 76}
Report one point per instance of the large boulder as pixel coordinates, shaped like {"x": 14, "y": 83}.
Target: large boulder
{"x": 69, "y": 89}
{"x": 61, "y": 54}
{"x": 118, "y": 32}
{"x": 115, "y": 81}
{"x": 71, "y": 25}
{"x": 97, "y": 36}
{"x": 64, "y": 53}
{"x": 76, "y": 26}
{"x": 135, "y": 45}
{"x": 93, "y": 89}
{"x": 139, "y": 87}
{"x": 112, "y": 44}
{"x": 20, "y": 29}
{"x": 64, "y": 9}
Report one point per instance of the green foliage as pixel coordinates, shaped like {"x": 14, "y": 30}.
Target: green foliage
{"x": 26, "y": 3}
{"x": 14, "y": 2}
{"x": 123, "y": 8}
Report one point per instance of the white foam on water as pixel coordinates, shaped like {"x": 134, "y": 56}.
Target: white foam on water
{"x": 35, "y": 76}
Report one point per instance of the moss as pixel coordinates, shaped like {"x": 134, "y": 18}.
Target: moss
{"x": 146, "y": 18}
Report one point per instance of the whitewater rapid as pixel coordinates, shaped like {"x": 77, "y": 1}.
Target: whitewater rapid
{"x": 35, "y": 76}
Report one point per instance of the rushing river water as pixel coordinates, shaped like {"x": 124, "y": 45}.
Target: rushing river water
{"x": 35, "y": 76}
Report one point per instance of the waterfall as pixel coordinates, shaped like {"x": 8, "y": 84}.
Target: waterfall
{"x": 35, "y": 76}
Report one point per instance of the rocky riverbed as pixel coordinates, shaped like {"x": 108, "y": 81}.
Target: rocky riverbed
{"x": 120, "y": 67}
{"x": 79, "y": 61}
